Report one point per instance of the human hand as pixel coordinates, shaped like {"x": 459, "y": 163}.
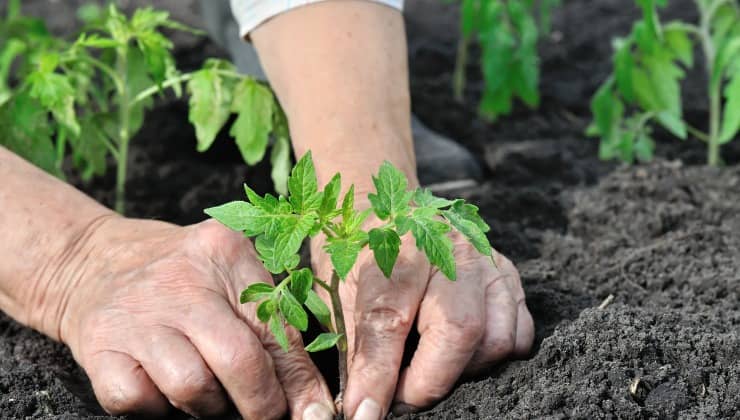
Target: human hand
{"x": 465, "y": 326}
{"x": 154, "y": 317}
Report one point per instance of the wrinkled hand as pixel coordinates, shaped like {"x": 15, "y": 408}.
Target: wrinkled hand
{"x": 155, "y": 318}
{"x": 465, "y": 326}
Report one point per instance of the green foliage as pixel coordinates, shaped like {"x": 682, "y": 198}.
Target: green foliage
{"x": 508, "y": 32}
{"x": 92, "y": 93}
{"x": 648, "y": 68}
{"x": 281, "y": 224}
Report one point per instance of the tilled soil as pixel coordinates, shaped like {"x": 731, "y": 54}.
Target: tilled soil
{"x": 661, "y": 239}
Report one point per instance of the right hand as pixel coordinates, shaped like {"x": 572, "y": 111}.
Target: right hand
{"x": 153, "y": 316}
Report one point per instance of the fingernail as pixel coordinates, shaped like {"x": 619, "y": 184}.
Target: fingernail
{"x": 317, "y": 411}
{"x": 368, "y": 410}
{"x": 400, "y": 409}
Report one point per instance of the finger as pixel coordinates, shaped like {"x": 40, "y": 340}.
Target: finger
{"x": 499, "y": 338}
{"x": 384, "y": 312}
{"x": 524, "y": 331}
{"x": 305, "y": 390}
{"x": 451, "y": 325}
{"x": 123, "y": 387}
{"x": 180, "y": 373}
{"x": 237, "y": 358}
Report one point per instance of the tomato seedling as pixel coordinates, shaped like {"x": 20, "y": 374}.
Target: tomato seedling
{"x": 280, "y": 225}
{"x": 646, "y": 85}
{"x": 508, "y": 32}
{"x": 98, "y": 88}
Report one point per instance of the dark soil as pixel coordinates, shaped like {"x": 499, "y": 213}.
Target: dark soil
{"x": 662, "y": 238}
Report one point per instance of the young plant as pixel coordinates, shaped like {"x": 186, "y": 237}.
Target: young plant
{"x": 280, "y": 225}
{"x": 98, "y": 88}
{"x": 507, "y": 31}
{"x": 645, "y": 87}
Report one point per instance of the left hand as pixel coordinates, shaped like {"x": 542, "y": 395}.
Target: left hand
{"x": 465, "y": 326}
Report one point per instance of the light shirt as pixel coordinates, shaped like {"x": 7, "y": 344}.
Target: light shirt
{"x": 251, "y": 13}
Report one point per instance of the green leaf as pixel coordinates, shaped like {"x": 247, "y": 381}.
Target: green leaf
{"x": 293, "y": 311}
{"x": 431, "y": 237}
{"x": 673, "y": 124}
{"x": 318, "y": 308}
{"x": 470, "y": 230}
{"x": 328, "y": 208}
{"x": 209, "y": 106}
{"x": 280, "y": 156}
{"x": 678, "y": 41}
{"x": 343, "y": 253}
{"x": 266, "y": 309}
{"x": 236, "y": 215}
{"x": 423, "y": 197}
{"x": 303, "y": 186}
{"x": 391, "y": 197}
{"x": 385, "y": 245}
{"x": 731, "y": 116}
{"x": 268, "y": 255}
{"x": 54, "y": 92}
{"x": 348, "y": 203}
{"x": 278, "y": 331}
{"x": 255, "y": 105}
{"x": 323, "y": 342}
{"x": 26, "y": 132}
{"x": 644, "y": 147}
{"x": 89, "y": 148}
{"x": 469, "y": 212}
{"x": 256, "y": 292}
{"x": 469, "y": 17}
{"x": 301, "y": 282}
{"x": 624, "y": 65}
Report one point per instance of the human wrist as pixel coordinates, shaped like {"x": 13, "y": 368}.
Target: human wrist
{"x": 53, "y": 288}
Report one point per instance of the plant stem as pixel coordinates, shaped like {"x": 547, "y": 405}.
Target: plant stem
{"x": 124, "y": 117}
{"x": 714, "y": 88}
{"x": 336, "y": 304}
{"x": 61, "y": 144}
{"x": 714, "y": 121}
{"x": 461, "y": 61}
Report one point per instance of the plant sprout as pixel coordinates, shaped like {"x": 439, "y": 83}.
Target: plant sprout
{"x": 280, "y": 225}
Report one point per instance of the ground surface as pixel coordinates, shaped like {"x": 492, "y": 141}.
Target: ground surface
{"x": 662, "y": 238}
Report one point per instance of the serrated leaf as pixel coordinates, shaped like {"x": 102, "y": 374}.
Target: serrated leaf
{"x": 89, "y": 148}
{"x": 470, "y": 230}
{"x": 303, "y": 186}
{"x": 348, "y": 203}
{"x": 237, "y": 215}
{"x": 624, "y": 65}
{"x": 391, "y": 197}
{"x": 209, "y": 106}
{"x": 26, "y": 132}
{"x": 673, "y": 124}
{"x": 323, "y": 342}
{"x": 318, "y": 308}
{"x": 644, "y": 147}
{"x": 731, "y": 114}
{"x": 431, "y": 237}
{"x": 55, "y": 93}
{"x": 677, "y": 39}
{"x": 301, "y": 282}
{"x": 280, "y": 159}
{"x": 255, "y": 105}
{"x": 469, "y": 212}
{"x": 385, "y": 245}
{"x": 293, "y": 311}
{"x": 343, "y": 253}
{"x": 266, "y": 309}
{"x": 256, "y": 292}
{"x": 278, "y": 331}
{"x": 423, "y": 197}
{"x": 327, "y": 210}
{"x": 267, "y": 254}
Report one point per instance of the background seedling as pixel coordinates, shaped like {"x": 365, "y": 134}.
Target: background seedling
{"x": 645, "y": 87}
{"x": 98, "y": 87}
{"x": 507, "y": 31}
{"x": 280, "y": 224}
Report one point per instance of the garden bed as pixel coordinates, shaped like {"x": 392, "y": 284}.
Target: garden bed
{"x": 662, "y": 238}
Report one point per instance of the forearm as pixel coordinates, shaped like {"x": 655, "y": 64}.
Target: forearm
{"x": 45, "y": 224}
{"x": 339, "y": 69}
